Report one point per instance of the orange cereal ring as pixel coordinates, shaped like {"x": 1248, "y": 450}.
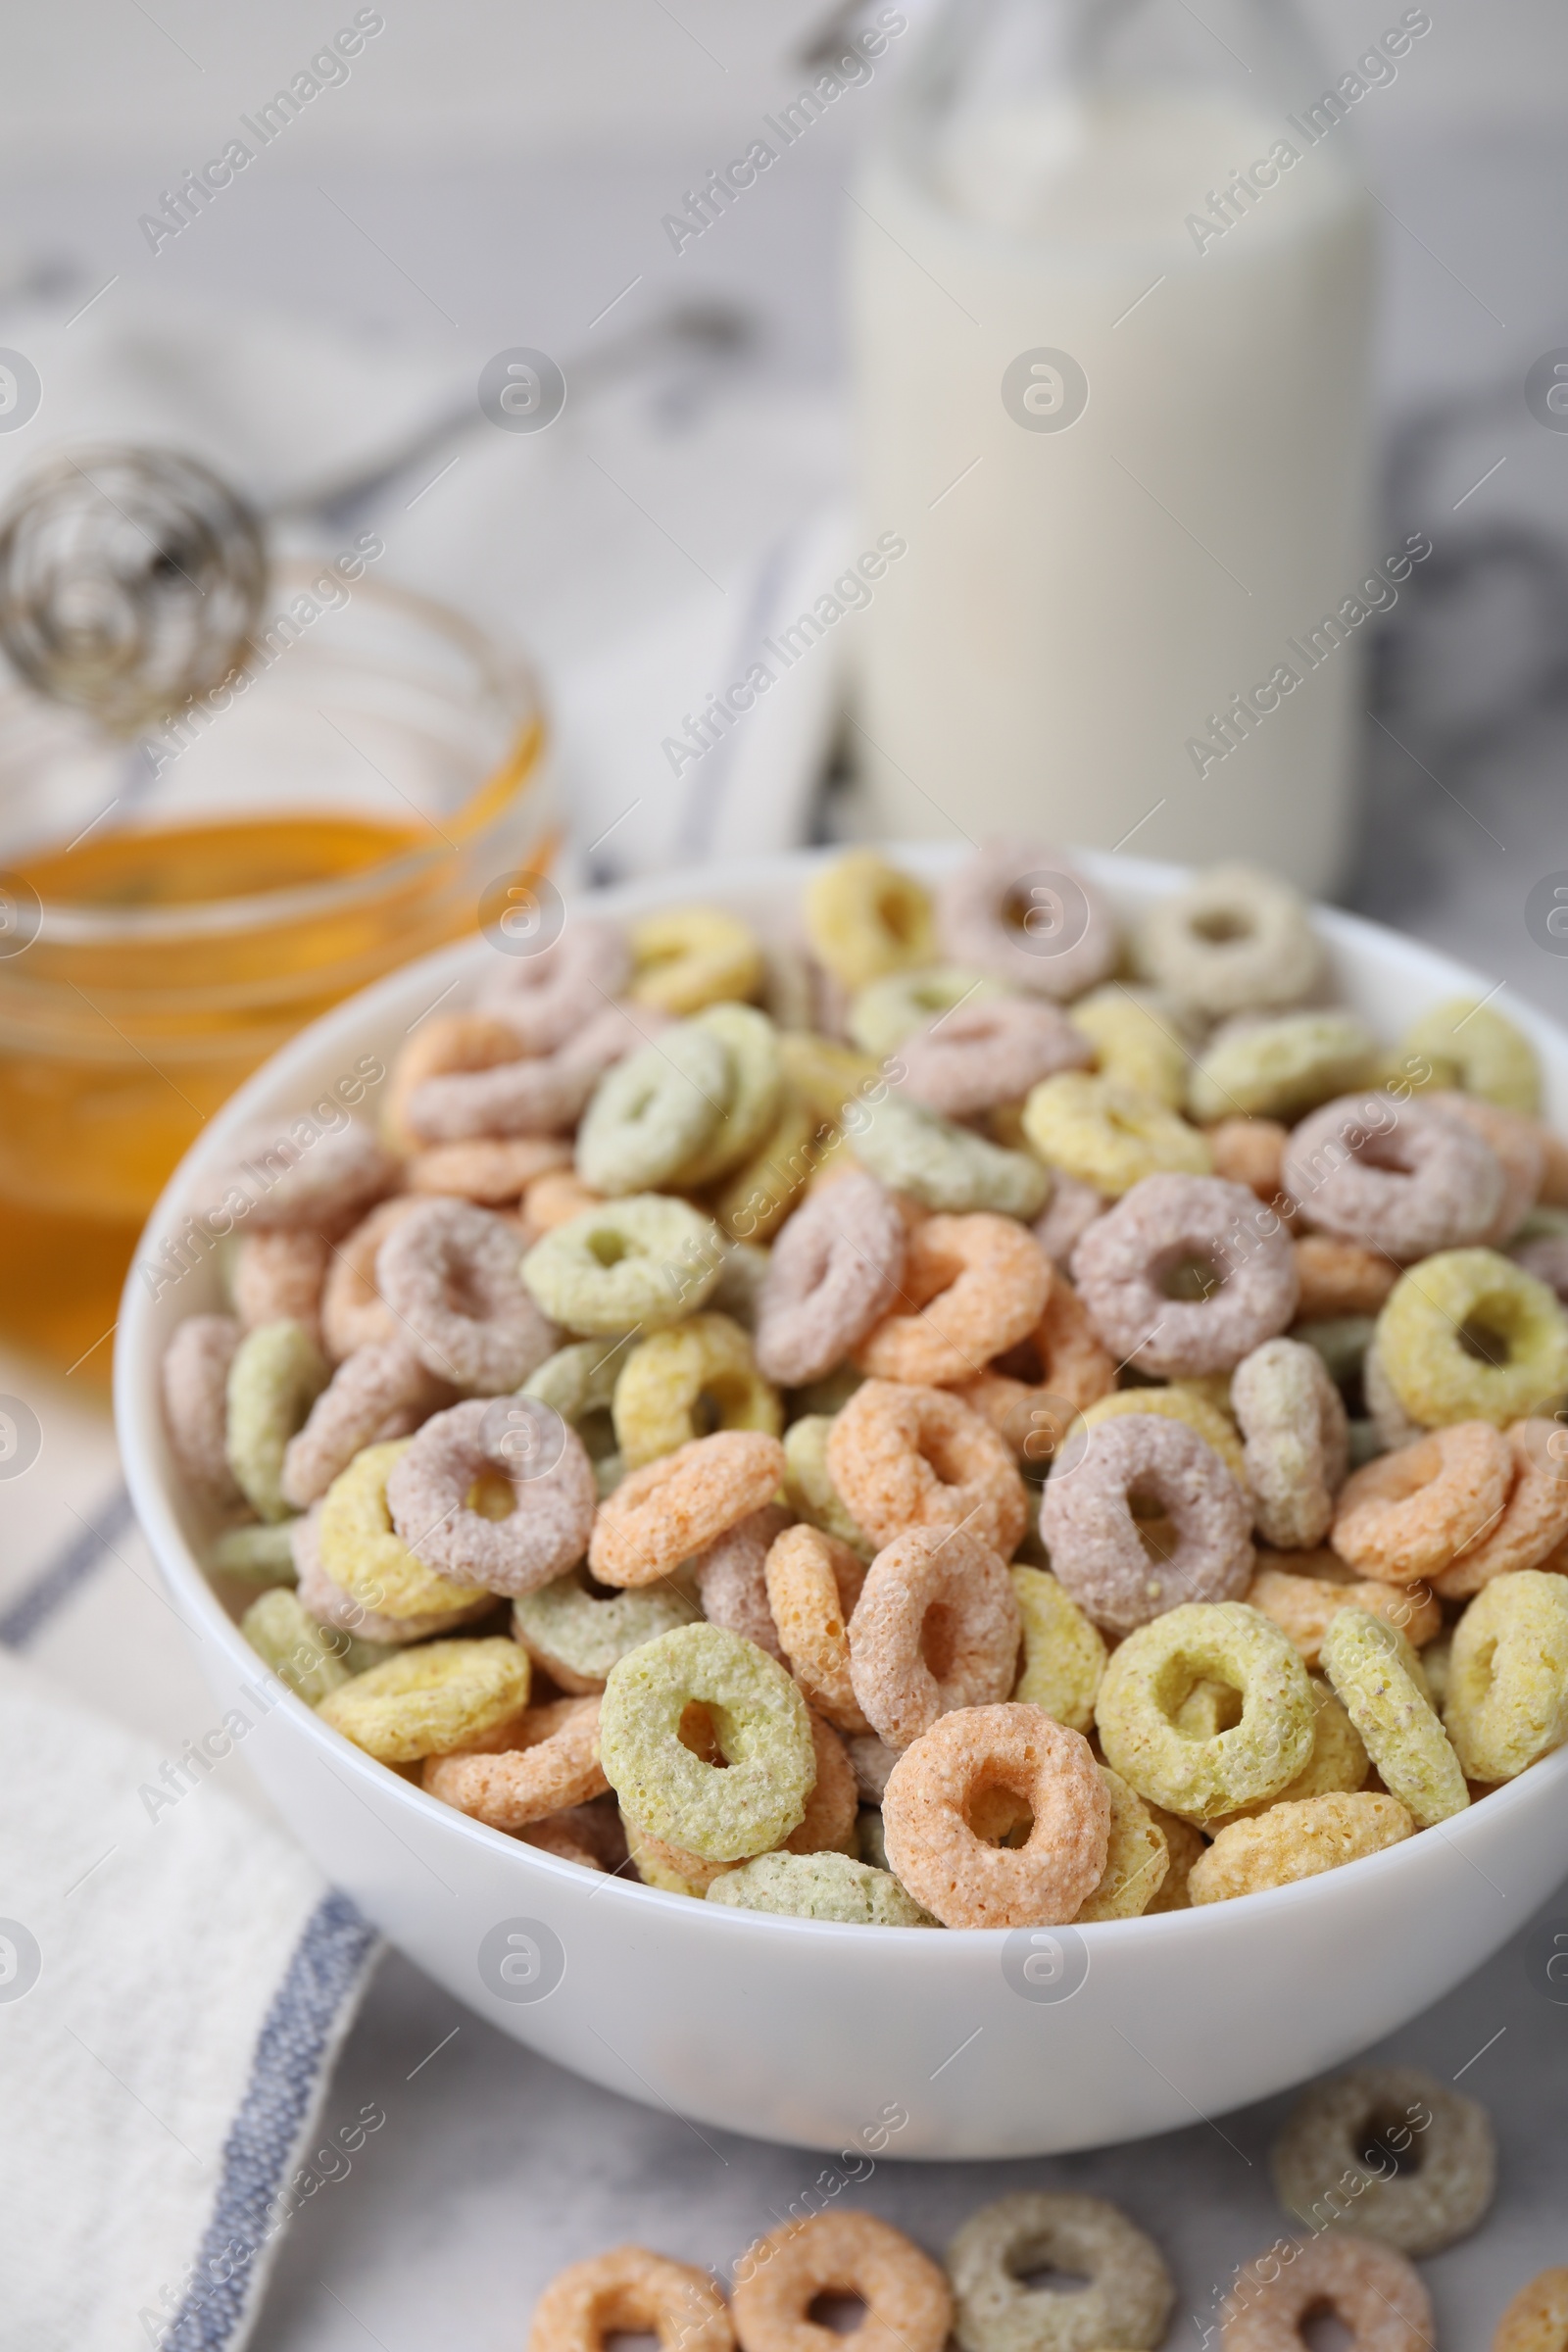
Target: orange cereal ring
{"x": 630, "y": 2291}
{"x": 1302, "y": 1604}
{"x": 558, "y": 1196}
{"x": 1340, "y": 1278}
{"x": 491, "y": 1169}
{"x": 1537, "y": 2319}
{"x": 937, "y": 1626}
{"x": 1034, "y": 1392}
{"x": 1251, "y": 1151}
{"x": 920, "y": 1457}
{"x": 973, "y": 1287}
{"x": 354, "y": 1313}
{"x": 908, "y": 2303}
{"x": 813, "y": 1583}
{"x": 448, "y": 1042}
{"x": 827, "y": 1826}
{"x": 1534, "y": 1518}
{"x": 1369, "y": 2288}
{"x": 1411, "y": 1513}
{"x": 942, "y": 1861}
{"x": 278, "y": 1277}
{"x": 552, "y": 1763}
{"x": 671, "y": 1508}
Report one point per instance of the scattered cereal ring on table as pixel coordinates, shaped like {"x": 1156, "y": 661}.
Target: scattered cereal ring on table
{"x": 941, "y": 1165}
{"x": 902, "y": 1004}
{"x": 962, "y": 1879}
{"x": 1064, "y": 1654}
{"x": 576, "y": 1636}
{"x": 1373, "y": 2293}
{"x": 1537, "y": 2319}
{"x": 865, "y": 918}
{"x": 669, "y": 1381}
{"x": 377, "y": 1393}
{"x": 1296, "y": 1440}
{"x": 1303, "y": 1604}
{"x": 812, "y": 1585}
{"x": 1398, "y": 1177}
{"x": 630, "y": 2292}
{"x": 1507, "y": 1687}
{"x": 1156, "y": 1668}
{"x": 491, "y": 1170}
{"x": 430, "y": 1700}
{"x": 1137, "y": 1038}
{"x": 973, "y": 1287}
{"x": 1378, "y": 1678}
{"x": 547, "y": 1489}
{"x": 986, "y": 1052}
{"x": 1495, "y": 1059}
{"x": 1468, "y": 1336}
{"x": 904, "y": 1457}
{"x": 1137, "y": 1857}
{"x": 727, "y": 1812}
{"x": 1324, "y": 2147}
{"x": 547, "y": 996}
{"x": 450, "y": 1274}
{"x": 1234, "y": 940}
{"x": 908, "y": 2306}
{"x": 1126, "y": 2303}
{"x": 808, "y": 1487}
{"x": 1192, "y": 1232}
{"x": 834, "y": 1272}
{"x": 935, "y": 1627}
{"x": 688, "y": 957}
{"x": 1089, "y": 1529}
{"x": 819, "y": 1885}
{"x": 1251, "y": 1151}
{"x": 1018, "y": 909}
{"x": 655, "y": 1111}
{"x": 307, "y": 1171}
{"x": 1294, "y": 1842}
{"x": 275, "y": 1377}
{"x": 1411, "y": 1513}
{"x": 550, "y": 1760}
{"x": 676, "y": 1507}
{"x": 363, "y": 1553}
{"x": 1108, "y": 1135}
{"x": 195, "y": 1390}
{"x": 731, "y": 1578}
{"x": 645, "y": 1262}
{"x": 353, "y": 1314}
{"x": 1534, "y": 1518}
{"x": 279, "y": 1275}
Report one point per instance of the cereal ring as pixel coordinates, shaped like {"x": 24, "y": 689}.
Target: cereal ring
{"x": 669, "y": 1867}
{"x": 1296, "y": 1842}
{"x": 966, "y": 1881}
{"x": 489, "y": 1170}
{"x": 1294, "y": 1426}
{"x": 918, "y": 1458}
{"x": 576, "y": 1636}
{"x": 1323, "y": 2149}
{"x": 275, "y": 1377}
{"x": 1492, "y": 1058}
{"x": 821, "y": 1886}
{"x": 1251, "y": 1151}
{"x": 667, "y": 1510}
{"x": 1468, "y": 1336}
{"x": 630, "y": 2291}
{"x": 1136, "y": 1040}
{"x": 446, "y": 1042}
{"x": 1156, "y": 1668}
{"x": 555, "y": 1198}
{"x": 449, "y": 1272}
{"x": 278, "y": 1276}
{"x": 376, "y": 1393}
{"x": 754, "y": 1203}
{"x": 688, "y": 957}
{"x": 1399, "y": 1178}
{"x": 354, "y": 1313}
{"x": 972, "y": 1288}
{"x": 1072, "y": 1373}
{"x": 579, "y": 1382}
{"x": 834, "y": 1272}
{"x": 1378, "y": 1678}
{"x": 262, "y": 1554}
{"x": 1520, "y": 1144}
{"x": 377, "y": 1632}
{"x": 1507, "y": 1698}
{"x": 1131, "y": 1271}
{"x": 1303, "y": 1604}
{"x": 1063, "y": 1656}
{"x": 321, "y": 1171}
{"x": 551, "y": 1760}
{"x": 1181, "y": 1401}
{"x": 529, "y": 1096}
{"x": 1546, "y": 1256}
{"x": 1337, "y": 1767}
{"x": 550, "y": 1509}
{"x": 753, "y": 1084}
{"x": 940, "y": 1165}
{"x": 908, "y": 2306}
{"x": 430, "y": 1700}
{"x": 1072, "y": 1209}
{"x": 1184, "y": 1847}
{"x": 362, "y": 1553}
{"x": 1339, "y": 1279}
{"x": 827, "y": 1826}
{"x": 1534, "y": 1521}
{"x": 1127, "y": 2301}
{"x": 1537, "y": 2319}
{"x": 1088, "y": 1526}
{"x": 1108, "y": 1135}
{"x": 646, "y": 1261}
{"x": 864, "y": 918}
{"x": 812, "y": 1584}
{"x": 902, "y": 1003}
{"x": 1018, "y": 910}
{"x": 827, "y": 1071}
{"x": 1372, "y": 2291}
{"x": 726, "y": 1812}
{"x": 1280, "y": 1069}
{"x": 310, "y": 1660}
{"x": 195, "y": 1387}
{"x": 937, "y": 1626}
{"x": 983, "y": 1052}
{"x": 546, "y": 997}
{"x": 674, "y": 1382}
{"x": 1137, "y": 1857}
{"x": 1234, "y": 940}
{"x": 655, "y": 1111}
{"x": 1411, "y": 1513}
{"x": 732, "y": 1578}
{"x": 808, "y": 1487}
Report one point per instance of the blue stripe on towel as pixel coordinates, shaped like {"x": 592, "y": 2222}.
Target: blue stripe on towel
{"x": 55, "y": 1582}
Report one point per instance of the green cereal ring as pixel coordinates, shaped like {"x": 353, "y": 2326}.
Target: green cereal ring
{"x": 313, "y": 1659}
{"x": 724, "y": 1813}
{"x": 431, "y": 1700}
{"x": 667, "y": 1379}
{"x": 755, "y": 1084}
{"x": 1155, "y": 1668}
{"x": 826, "y": 1886}
{"x": 643, "y": 1263}
{"x": 1378, "y": 1679}
{"x": 257, "y": 1556}
{"x": 1063, "y": 1656}
{"x": 1469, "y": 1336}
{"x": 891, "y": 1008}
{"x": 654, "y": 1112}
{"x": 360, "y": 1550}
{"x": 1507, "y": 1702}
{"x": 1109, "y": 1135}
{"x": 576, "y": 1636}
{"x": 808, "y": 1487}
{"x": 1491, "y": 1056}
{"x": 1281, "y": 1069}
{"x": 1138, "y": 1039}
{"x": 916, "y": 1151}
{"x": 276, "y": 1375}
{"x": 579, "y": 1382}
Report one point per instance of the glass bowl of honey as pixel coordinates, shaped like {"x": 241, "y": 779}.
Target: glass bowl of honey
{"x": 172, "y": 911}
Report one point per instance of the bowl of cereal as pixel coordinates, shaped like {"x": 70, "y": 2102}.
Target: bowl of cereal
{"x": 929, "y": 1486}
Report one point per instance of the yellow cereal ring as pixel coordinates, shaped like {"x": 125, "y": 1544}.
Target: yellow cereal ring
{"x": 826, "y": 1072}
{"x": 1136, "y": 1038}
{"x": 276, "y": 1374}
{"x": 887, "y": 1011}
{"x": 1337, "y": 1767}
{"x": 864, "y": 918}
{"x": 1281, "y": 1069}
{"x": 808, "y": 1487}
{"x": 669, "y": 1867}
{"x": 753, "y": 1203}
{"x": 1064, "y": 1654}
{"x": 1490, "y": 1057}
{"x": 667, "y": 1378}
{"x": 431, "y": 1700}
{"x": 1296, "y": 1842}
{"x": 1378, "y": 1678}
{"x": 1442, "y": 1313}
{"x": 688, "y": 957}
{"x": 1185, "y": 1845}
{"x": 1507, "y": 1680}
{"x": 757, "y": 1079}
{"x": 1137, "y": 1858}
{"x": 360, "y": 1550}
{"x": 1109, "y": 1135}
{"x": 1183, "y": 1401}
{"x": 1155, "y": 1668}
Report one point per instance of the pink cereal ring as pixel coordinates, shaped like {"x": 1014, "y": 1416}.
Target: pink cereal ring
{"x": 1521, "y": 1147}
{"x": 732, "y": 1578}
{"x": 1399, "y": 1177}
{"x": 549, "y": 996}
{"x": 533, "y": 1095}
{"x": 540, "y": 1538}
{"x": 278, "y": 1277}
{"x": 904, "y": 1457}
{"x": 376, "y": 1394}
{"x": 989, "y": 1050}
{"x": 323, "y": 1598}
{"x": 937, "y": 1626}
{"x": 1020, "y": 910}
{"x": 973, "y": 1285}
{"x": 834, "y": 1272}
{"x": 449, "y": 1273}
{"x": 681, "y": 1504}
{"x": 955, "y": 1874}
{"x": 1129, "y": 1261}
{"x": 1369, "y": 2288}
{"x": 195, "y": 1382}
{"x": 305, "y": 1173}
{"x": 1088, "y": 1527}
{"x": 1066, "y": 1217}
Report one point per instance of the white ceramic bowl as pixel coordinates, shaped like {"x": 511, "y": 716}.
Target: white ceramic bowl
{"x": 791, "y": 2030}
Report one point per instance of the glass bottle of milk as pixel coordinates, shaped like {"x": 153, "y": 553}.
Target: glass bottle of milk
{"x": 1110, "y": 296}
